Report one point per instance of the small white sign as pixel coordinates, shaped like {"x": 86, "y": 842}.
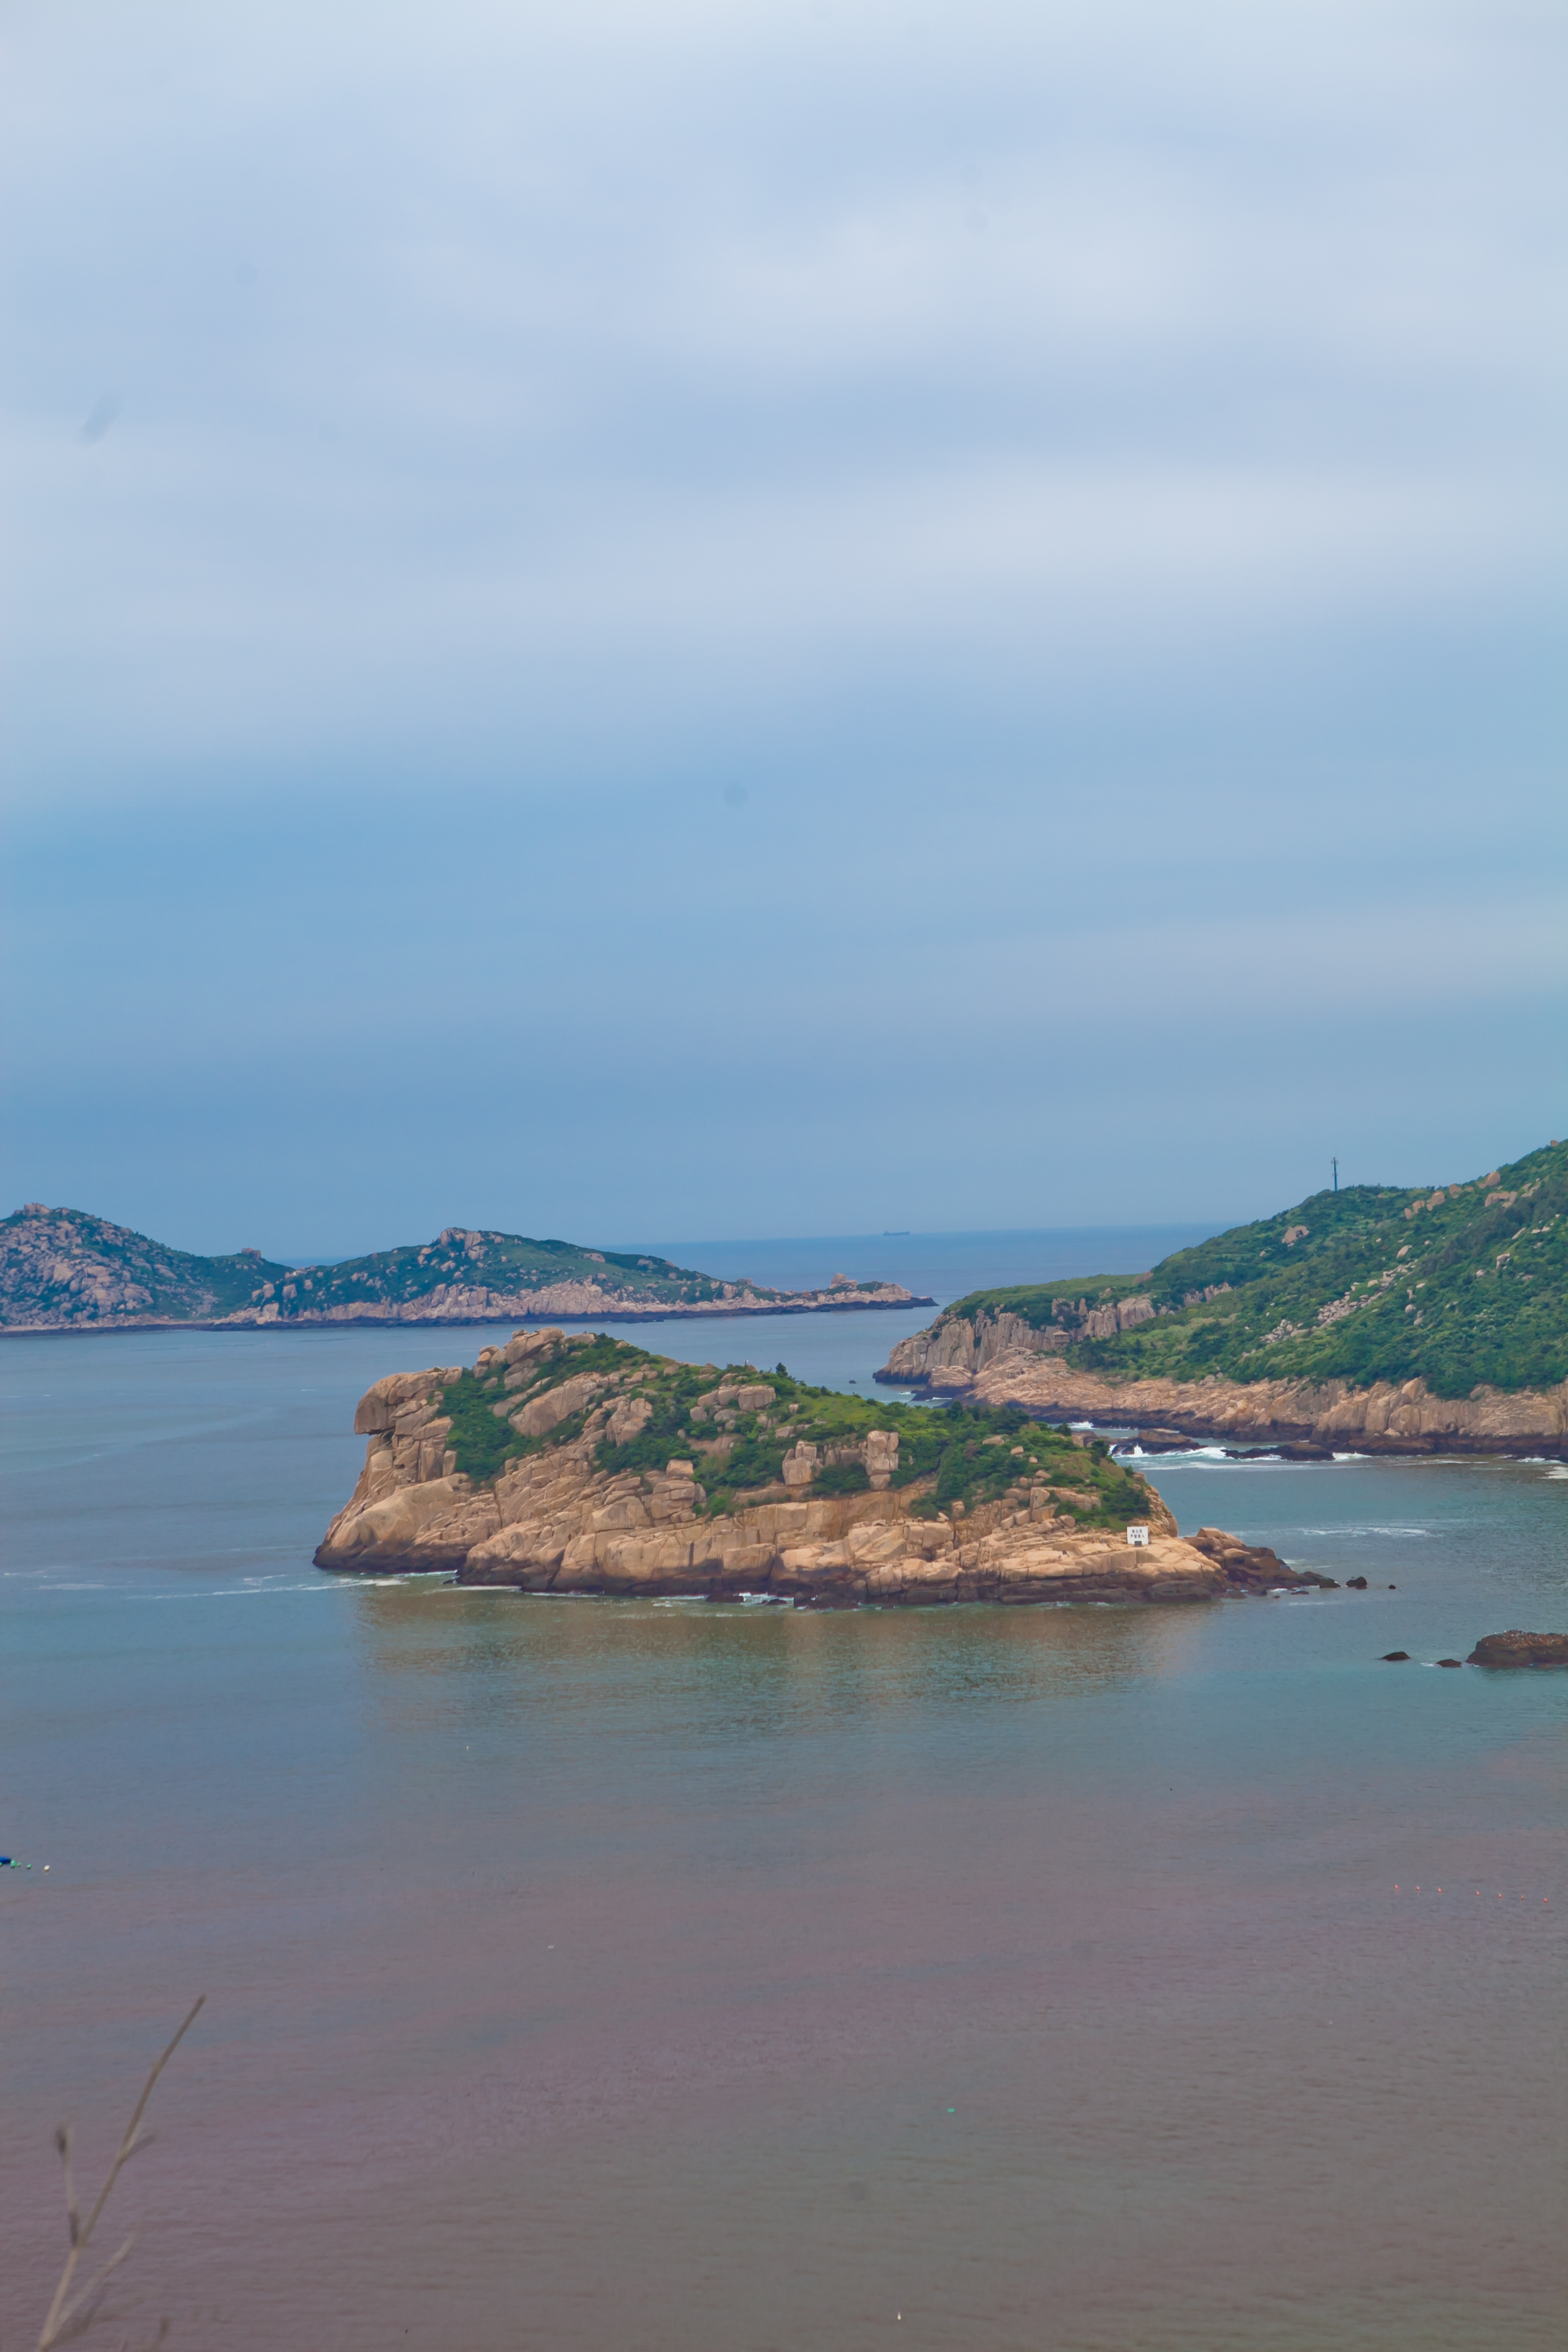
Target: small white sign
{"x": 1137, "y": 1535}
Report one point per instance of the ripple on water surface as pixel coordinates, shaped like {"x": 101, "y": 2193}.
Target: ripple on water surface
{"x": 717, "y": 1978}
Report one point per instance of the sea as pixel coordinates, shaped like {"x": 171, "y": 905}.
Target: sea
{"x": 583, "y": 1974}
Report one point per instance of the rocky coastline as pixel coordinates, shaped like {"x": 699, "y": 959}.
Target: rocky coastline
{"x": 66, "y": 1270}
{"x": 584, "y": 1302}
{"x": 558, "y": 1303}
{"x": 555, "y": 1520}
{"x": 997, "y": 1360}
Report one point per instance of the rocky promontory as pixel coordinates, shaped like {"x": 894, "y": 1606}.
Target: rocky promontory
{"x": 581, "y": 1464}
{"x": 1375, "y": 1319}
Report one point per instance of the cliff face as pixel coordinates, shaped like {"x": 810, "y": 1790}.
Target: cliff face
{"x": 581, "y": 1512}
{"x": 967, "y": 1343}
{"x": 1388, "y": 1417}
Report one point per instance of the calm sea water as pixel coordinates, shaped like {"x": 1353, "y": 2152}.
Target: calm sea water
{"x": 584, "y": 1974}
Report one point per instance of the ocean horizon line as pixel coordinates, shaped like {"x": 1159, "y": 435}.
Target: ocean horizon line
{"x": 671, "y": 1250}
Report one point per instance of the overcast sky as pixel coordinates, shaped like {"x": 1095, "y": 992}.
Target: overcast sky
{"x": 646, "y": 621}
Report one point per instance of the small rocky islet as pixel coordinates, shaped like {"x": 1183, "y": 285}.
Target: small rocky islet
{"x": 1517, "y": 1649}
{"x": 580, "y": 1462}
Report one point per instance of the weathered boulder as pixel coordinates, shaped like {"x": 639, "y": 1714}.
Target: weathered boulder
{"x": 546, "y": 1413}
{"x": 800, "y": 1464}
{"x": 524, "y": 1346}
{"x": 881, "y": 1457}
{"x": 629, "y": 1419}
{"x": 382, "y": 1402}
{"x": 430, "y": 1524}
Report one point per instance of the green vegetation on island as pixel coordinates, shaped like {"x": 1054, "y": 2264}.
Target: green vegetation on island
{"x": 460, "y": 1262}
{"x": 64, "y": 1269}
{"x": 1461, "y": 1286}
{"x": 737, "y": 1425}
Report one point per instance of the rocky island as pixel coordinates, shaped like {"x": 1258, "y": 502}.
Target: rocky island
{"x": 563, "y": 1463}
{"x": 1518, "y": 1649}
{"x": 1376, "y": 1320}
{"x": 62, "y": 1270}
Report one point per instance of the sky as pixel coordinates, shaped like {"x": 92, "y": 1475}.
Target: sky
{"x": 641, "y": 621}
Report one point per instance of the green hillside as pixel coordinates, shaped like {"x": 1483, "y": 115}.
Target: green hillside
{"x": 1460, "y": 1286}
{"x": 63, "y": 1269}
{"x": 501, "y": 1263}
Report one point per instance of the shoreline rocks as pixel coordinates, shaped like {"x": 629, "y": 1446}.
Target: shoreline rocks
{"x": 571, "y": 1302}
{"x": 1311, "y": 1420}
{"x": 1256, "y": 1567}
{"x": 490, "y": 1308}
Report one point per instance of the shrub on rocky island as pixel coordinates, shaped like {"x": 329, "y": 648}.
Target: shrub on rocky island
{"x": 748, "y": 1434}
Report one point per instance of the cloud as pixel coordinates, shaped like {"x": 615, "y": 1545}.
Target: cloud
{"x": 658, "y": 336}
{"x": 1076, "y": 472}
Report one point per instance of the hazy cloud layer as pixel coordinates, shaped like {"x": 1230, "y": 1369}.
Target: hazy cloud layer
{"x": 751, "y": 618}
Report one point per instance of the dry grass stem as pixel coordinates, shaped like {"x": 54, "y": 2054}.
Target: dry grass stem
{"x": 74, "y": 2310}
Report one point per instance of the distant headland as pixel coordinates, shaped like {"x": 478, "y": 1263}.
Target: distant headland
{"x": 1378, "y": 1318}
{"x": 65, "y": 1270}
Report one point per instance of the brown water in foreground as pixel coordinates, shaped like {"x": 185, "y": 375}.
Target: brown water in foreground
{"x": 591, "y": 1974}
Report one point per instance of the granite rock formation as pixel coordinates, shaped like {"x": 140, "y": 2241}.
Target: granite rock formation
{"x": 554, "y": 1520}
{"x": 1385, "y": 1417}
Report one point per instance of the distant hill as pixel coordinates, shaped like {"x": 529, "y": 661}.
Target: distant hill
{"x": 1459, "y": 1286}
{"x": 62, "y": 1269}
{"x": 59, "y": 1268}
